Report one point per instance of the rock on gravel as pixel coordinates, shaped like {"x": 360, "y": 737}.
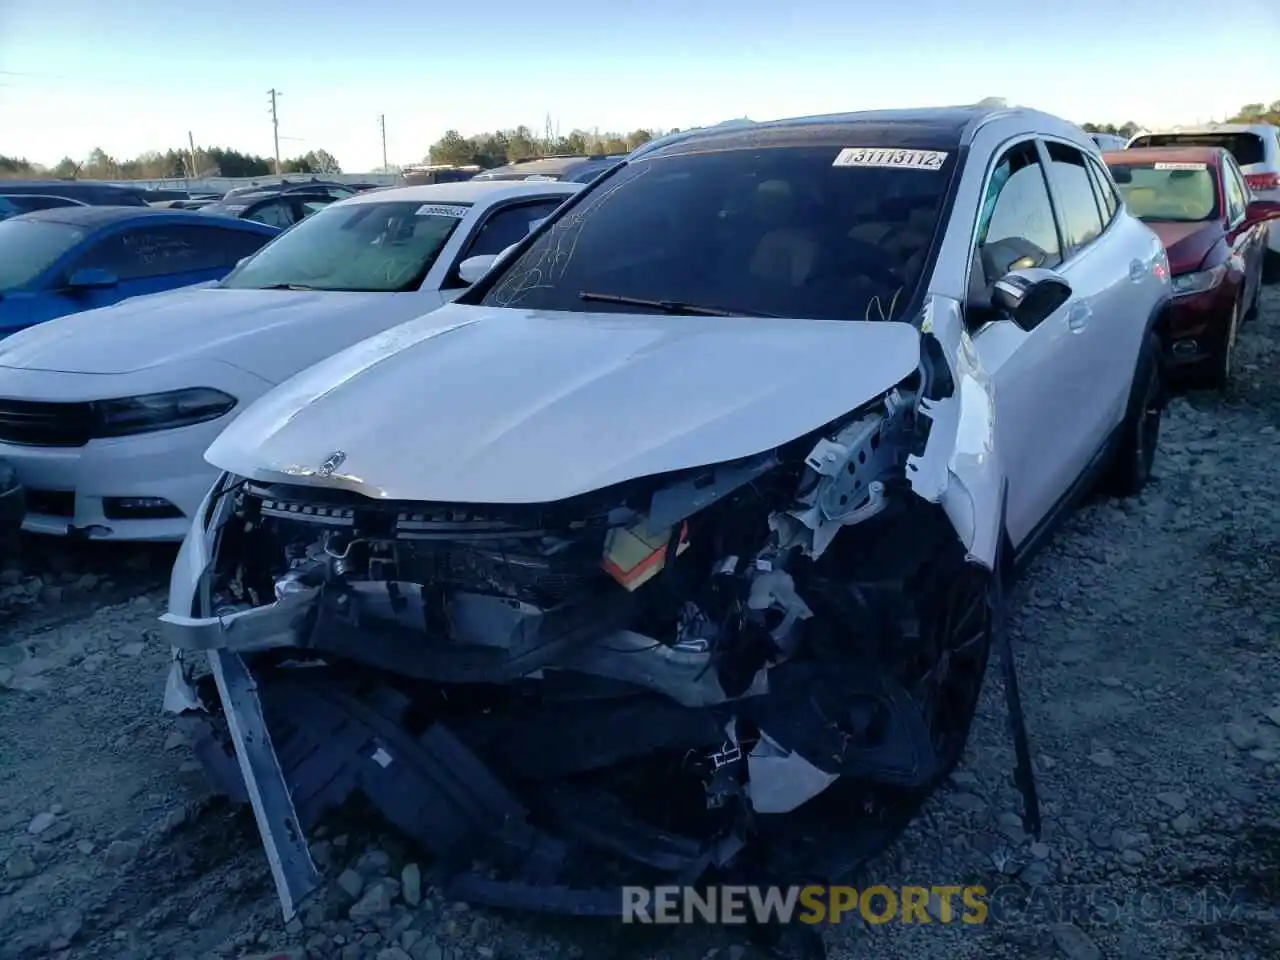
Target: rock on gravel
{"x": 1145, "y": 640}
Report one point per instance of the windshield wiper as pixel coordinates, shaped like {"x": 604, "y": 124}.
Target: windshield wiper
{"x": 286, "y": 286}
{"x": 669, "y": 306}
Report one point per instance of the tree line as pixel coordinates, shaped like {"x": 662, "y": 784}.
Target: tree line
{"x": 485, "y": 150}
{"x": 493, "y": 149}
{"x": 154, "y": 165}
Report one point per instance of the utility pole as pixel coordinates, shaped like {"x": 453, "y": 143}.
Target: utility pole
{"x": 275, "y": 125}
{"x": 382, "y": 125}
{"x": 191, "y": 142}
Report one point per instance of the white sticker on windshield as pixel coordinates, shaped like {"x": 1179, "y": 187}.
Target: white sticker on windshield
{"x": 440, "y": 210}
{"x": 885, "y": 157}
{"x": 540, "y": 177}
{"x": 1182, "y": 166}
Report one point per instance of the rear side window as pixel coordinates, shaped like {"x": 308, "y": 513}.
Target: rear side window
{"x": 1081, "y": 220}
{"x": 274, "y": 213}
{"x": 1106, "y": 192}
{"x": 1246, "y": 148}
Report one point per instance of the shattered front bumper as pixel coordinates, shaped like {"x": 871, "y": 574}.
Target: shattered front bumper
{"x": 304, "y": 743}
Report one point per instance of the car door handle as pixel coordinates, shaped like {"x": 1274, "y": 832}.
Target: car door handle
{"x": 1079, "y": 315}
{"x": 1137, "y": 270}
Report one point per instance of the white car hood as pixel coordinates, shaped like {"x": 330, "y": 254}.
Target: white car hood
{"x": 471, "y": 404}
{"x": 271, "y": 333}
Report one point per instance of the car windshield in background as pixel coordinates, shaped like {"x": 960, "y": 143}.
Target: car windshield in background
{"x": 1178, "y": 192}
{"x": 373, "y": 247}
{"x": 30, "y": 247}
{"x": 1247, "y": 148}
{"x": 807, "y": 231}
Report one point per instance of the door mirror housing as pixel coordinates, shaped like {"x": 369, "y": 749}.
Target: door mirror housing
{"x": 473, "y": 268}
{"x": 1029, "y": 296}
{"x": 1260, "y": 211}
{"x": 91, "y": 278}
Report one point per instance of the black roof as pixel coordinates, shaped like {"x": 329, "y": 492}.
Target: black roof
{"x": 94, "y": 217}
{"x": 935, "y": 128}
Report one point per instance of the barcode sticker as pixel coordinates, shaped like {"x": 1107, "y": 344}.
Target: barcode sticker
{"x": 885, "y": 157}
{"x": 440, "y": 210}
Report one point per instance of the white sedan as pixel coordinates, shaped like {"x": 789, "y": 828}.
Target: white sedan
{"x": 106, "y": 414}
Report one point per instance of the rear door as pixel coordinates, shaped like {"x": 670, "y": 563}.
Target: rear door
{"x": 1106, "y": 278}
{"x": 1248, "y": 244}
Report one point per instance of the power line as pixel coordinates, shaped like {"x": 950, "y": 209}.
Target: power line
{"x": 275, "y": 125}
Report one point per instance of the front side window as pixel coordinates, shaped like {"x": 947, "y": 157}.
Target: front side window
{"x": 812, "y": 230}
{"x": 1246, "y": 148}
{"x": 373, "y": 247}
{"x": 1169, "y": 192}
{"x": 30, "y": 247}
{"x": 1081, "y": 219}
{"x": 1017, "y": 228}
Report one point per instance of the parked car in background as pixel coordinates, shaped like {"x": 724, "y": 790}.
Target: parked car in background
{"x": 729, "y": 463}
{"x": 56, "y": 262}
{"x": 12, "y": 507}
{"x": 82, "y": 191}
{"x": 106, "y": 415}
{"x": 12, "y": 204}
{"x": 273, "y": 207}
{"x": 1109, "y": 141}
{"x": 576, "y": 169}
{"x": 1215, "y": 236}
{"x": 1255, "y": 148}
{"x": 314, "y": 185}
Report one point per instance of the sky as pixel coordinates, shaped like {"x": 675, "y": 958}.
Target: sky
{"x": 138, "y": 75}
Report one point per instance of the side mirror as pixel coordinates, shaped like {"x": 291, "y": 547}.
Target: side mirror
{"x": 473, "y": 268}
{"x": 1030, "y": 296}
{"x": 91, "y": 278}
{"x": 1260, "y": 211}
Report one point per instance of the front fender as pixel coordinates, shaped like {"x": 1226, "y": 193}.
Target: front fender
{"x": 960, "y": 466}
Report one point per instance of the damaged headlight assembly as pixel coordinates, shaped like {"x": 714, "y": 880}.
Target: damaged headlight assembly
{"x": 756, "y": 670}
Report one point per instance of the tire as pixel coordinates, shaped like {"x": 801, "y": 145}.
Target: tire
{"x": 1218, "y": 375}
{"x": 960, "y": 627}
{"x": 1252, "y": 312}
{"x": 1270, "y": 266}
{"x": 1135, "y": 451}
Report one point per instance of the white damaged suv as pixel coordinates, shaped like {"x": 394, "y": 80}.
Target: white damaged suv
{"x": 704, "y": 499}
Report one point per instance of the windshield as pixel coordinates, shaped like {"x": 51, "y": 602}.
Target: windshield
{"x": 29, "y": 247}
{"x": 373, "y": 247}
{"x": 807, "y": 231}
{"x": 1247, "y": 148}
{"x": 1178, "y": 192}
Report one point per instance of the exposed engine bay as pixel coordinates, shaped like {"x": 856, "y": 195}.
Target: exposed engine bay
{"x": 756, "y": 670}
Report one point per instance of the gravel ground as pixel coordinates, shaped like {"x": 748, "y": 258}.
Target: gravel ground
{"x": 1146, "y": 647}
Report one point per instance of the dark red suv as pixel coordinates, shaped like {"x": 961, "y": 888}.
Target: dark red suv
{"x": 1214, "y": 231}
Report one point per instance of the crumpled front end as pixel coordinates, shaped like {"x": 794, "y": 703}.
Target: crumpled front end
{"x": 755, "y": 670}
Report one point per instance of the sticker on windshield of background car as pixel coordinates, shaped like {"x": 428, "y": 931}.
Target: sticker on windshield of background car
{"x": 540, "y": 177}
{"x": 1181, "y": 166}
{"x": 440, "y": 210}
{"x": 885, "y": 157}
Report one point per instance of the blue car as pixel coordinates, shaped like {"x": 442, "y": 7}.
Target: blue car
{"x": 68, "y": 259}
